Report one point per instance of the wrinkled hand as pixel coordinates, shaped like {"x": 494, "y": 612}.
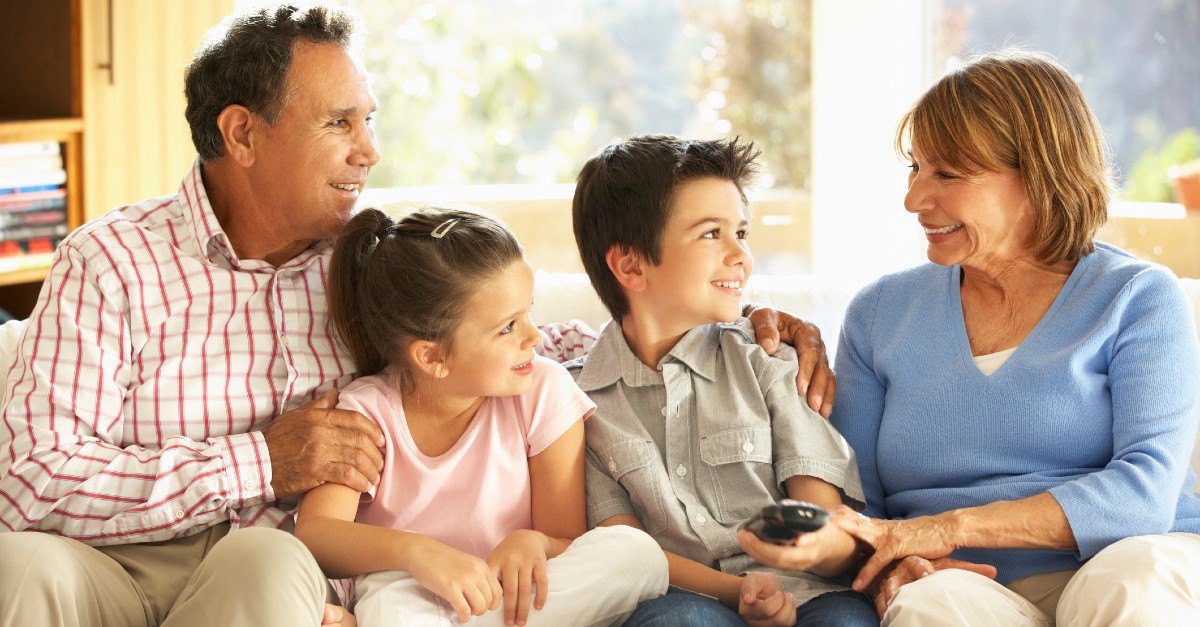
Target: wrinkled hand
{"x": 762, "y": 601}
{"x": 519, "y": 562}
{"x": 337, "y": 616}
{"x": 316, "y": 444}
{"x": 912, "y": 568}
{"x": 463, "y": 580}
{"x": 927, "y": 536}
{"x": 805, "y": 550}
{"x": 815, "y": 379}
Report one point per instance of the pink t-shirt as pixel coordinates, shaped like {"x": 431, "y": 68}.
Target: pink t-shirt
{"x": 472, "y": 496}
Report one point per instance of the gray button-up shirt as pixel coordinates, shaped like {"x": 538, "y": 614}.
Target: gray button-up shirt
{"x": 700, "y": 446}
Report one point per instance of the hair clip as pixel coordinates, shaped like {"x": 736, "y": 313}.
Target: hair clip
{"x": 444, "y": 228}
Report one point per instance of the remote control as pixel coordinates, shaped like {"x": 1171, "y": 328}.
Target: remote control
{"x": 781, "y": 523}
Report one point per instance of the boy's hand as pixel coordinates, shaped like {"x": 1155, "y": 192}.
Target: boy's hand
{"x": 519, "y": 562}
{"x": 762, "y": 601}
{"x": 806, "y": 550}
{"x": 464, "y": 581}
{"x": 815, "y": 379}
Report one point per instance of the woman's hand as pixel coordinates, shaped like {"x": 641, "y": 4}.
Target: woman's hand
{"x": 762, "y": 601}
{"x": 929, "y": 537}
{"x": 463, "y": 580}
{"x": 519, "y": 562}
{"x": 883, "y": 589}
{"x": 815, "y": 378}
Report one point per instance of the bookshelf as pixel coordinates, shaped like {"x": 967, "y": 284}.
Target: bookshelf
{"x": 41, "y": 102}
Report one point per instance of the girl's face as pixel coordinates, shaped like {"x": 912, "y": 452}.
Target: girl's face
{"x": 495, "y": 341}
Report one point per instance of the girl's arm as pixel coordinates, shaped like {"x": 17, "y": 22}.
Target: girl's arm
{"x": 344, "y": 548}
{"x": 556, "y": 480}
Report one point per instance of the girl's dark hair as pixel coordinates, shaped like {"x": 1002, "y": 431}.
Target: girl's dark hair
{"x": 395, "y": 281}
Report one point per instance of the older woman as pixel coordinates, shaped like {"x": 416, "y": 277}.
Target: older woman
{"x": 1029, "y": 400}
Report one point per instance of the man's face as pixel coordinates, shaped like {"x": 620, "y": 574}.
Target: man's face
{"x": 313, "y": 163}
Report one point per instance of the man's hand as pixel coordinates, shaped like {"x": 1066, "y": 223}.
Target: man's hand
{"x": 317, "y": 444}
{"x": 337, "y": 616}
{"x": 762, "y": 601}
{"x": 815, "y": 379}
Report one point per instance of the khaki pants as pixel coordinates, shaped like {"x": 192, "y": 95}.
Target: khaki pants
{"x": 1143, "y": 580}
{"x": 253, "y": 576}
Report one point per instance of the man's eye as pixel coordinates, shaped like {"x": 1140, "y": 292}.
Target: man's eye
{"x": 508, "y": 328}
{"x": 713, "y": 234}
{"x": 743, "y": 233}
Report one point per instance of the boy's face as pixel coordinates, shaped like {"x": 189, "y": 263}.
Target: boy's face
{"x": 706, "y": 260}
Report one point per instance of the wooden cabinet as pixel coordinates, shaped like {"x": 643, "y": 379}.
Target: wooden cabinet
{"x": 105, "y": 79}
{"x": 134, "y": 54}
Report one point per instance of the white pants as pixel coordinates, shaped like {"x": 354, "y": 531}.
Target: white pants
{"x": 598, "y": 580}
{"x": 1144, "y": 580}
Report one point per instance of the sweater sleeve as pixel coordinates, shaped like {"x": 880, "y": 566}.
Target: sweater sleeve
{"x": 1154, "y": 366}
{"x": 858, "y": 406}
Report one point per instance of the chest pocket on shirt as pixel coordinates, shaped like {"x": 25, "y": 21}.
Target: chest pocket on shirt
{"x": 739, "y": 465}
{"x": 635, "y": 465}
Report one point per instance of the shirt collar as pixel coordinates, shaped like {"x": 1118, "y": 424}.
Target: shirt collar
{"x": 611, "y": 359}
{"x": 210, "y": 238}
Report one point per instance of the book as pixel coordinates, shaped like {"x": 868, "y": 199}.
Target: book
{"x": 27, "y": 165}
{"x": 29, "y": 149}
{"x": 7, "y": 191}
{"x": 28, "y": 201}
{"x": 33, "y": 217}
{"x": 40, "y": 180}
{"x": 35, "y": 231}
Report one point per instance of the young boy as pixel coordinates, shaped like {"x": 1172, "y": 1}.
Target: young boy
{"x": 696, "y": 427}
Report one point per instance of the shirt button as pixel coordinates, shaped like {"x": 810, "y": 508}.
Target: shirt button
{"x": 178, "y": 514}
{"x": 681, "y": 471}
{"x": 612, "y": 466}
{"x": 700, "y": 520}
{"x": 248, "y": 485}
{"x": 283, "y": 340}
{"x": 748, "y": 446}
{"x": 664, "y": 410}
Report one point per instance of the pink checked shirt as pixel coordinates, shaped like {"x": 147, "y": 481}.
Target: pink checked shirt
{"x": 153, "y": 360}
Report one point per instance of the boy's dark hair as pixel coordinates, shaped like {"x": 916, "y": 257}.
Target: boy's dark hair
{"x": 395, "y": 281}
{"x": 248, "y": 65}
{"x": 623, "y": 198}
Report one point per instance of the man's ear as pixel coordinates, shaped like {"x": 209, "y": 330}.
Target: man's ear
{"x": 628, "y": 267}
{"x": 427, "y": 357}
{"x": 237, "y": 125}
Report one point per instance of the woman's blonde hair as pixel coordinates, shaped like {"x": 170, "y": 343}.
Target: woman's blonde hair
{"x": 1021, "y": 110}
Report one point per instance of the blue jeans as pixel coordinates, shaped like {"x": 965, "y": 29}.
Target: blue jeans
{"x": 684, "y": 609}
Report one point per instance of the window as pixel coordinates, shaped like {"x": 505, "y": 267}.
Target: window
{"x": 497, "y": 103}
{"x": 1137, "y": 61}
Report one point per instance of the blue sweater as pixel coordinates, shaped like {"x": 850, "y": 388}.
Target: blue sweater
{"x": 1098, "y": 406}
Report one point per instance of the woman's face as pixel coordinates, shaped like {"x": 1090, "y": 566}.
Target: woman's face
{"x": 979, "y": 221}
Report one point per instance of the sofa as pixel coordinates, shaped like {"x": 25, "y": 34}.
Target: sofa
{"x": 563, "y": 296}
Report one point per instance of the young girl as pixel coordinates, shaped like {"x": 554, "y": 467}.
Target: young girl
{"x": 480, "y": 503}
